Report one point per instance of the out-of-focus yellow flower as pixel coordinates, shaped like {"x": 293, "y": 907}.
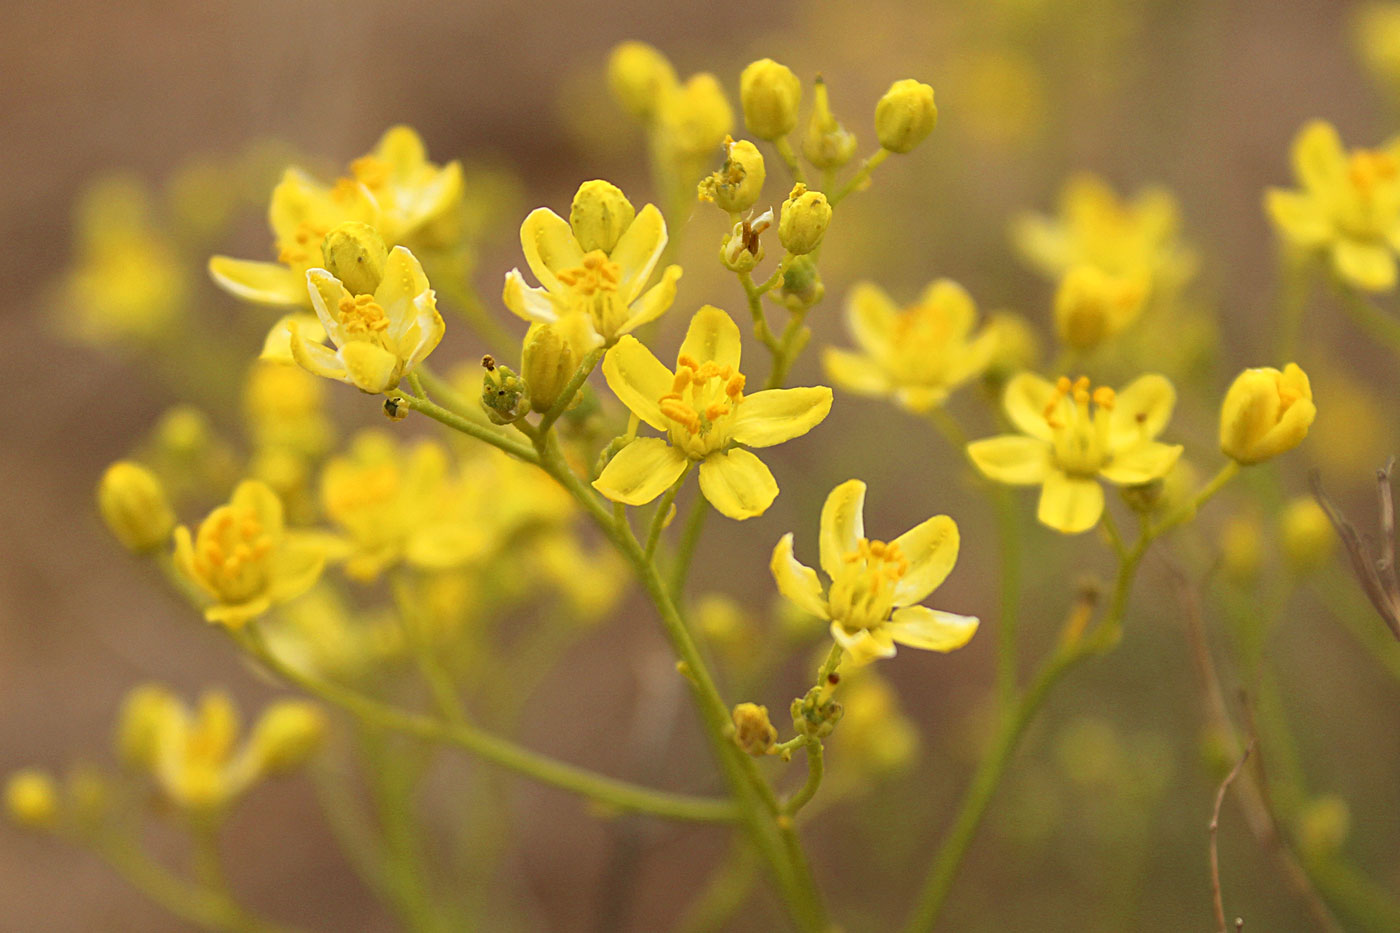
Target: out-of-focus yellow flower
{"x": 1092, "y": 306}
{"x": 1376, "y": 31}
{"x": 1072, "y": 436}
{"x": 378, "y": 337}
{"x": 243, "y": 558}
{"x": 126, "y": 282}
{"x": 703, "y": 409}
{"x": 319, "y": 634}
{"x": 874, "y": 585}
{"x": 770, "y": 95}
{"x": 134, "y": 506}
{"x": 641, "y": 78}
{"x": 1015, "y": 344}
{"x": 1348, "y": 206}
{"x": 289, "y": 732}
{"x": 303, "y": 211}
{"x": 694, "y": 120}
{"x": 916, "y": 355}
{"x": 31, "y": 799}
{"x": 1242, "y": 547}
{"x": 284, "y": 406}
{"x": 875, "y": 737}
{"x": 1307, "y": 533}
{"x": 905, "y": 115}
{"x": 590, "y": 596}
{"x": 1266, "y": 413}
{"x": 419, "y": 202}
{"x": 1093, "y": 226}
{"x": 595, "y": 295}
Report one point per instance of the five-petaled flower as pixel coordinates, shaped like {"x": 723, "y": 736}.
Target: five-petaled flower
{"x": 1072, "y": 436}
{"x": 705, "y": 413}
{"x": 874, "y": 584}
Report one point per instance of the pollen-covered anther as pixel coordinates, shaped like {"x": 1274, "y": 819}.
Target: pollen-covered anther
{"x": 1104, "y": 397}
{"x": 598, "y": 273}
{"x": 361, "y": 315}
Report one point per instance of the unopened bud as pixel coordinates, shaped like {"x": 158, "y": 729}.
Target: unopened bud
{"x": 803, "y": 221}
{"x": 753, "y": 732}
{"x": 31, "y": 799}
{"x": 905, "y": 115}
{"x": 828, "y": 144}
{"x": 547, "y": 364}
{"x": 144, "y": 714}
{"x": 739, "y": 182}
{"x": 1308, "y": 538}
{"x": 288, "y": 733}
{"x": 770, "y": 95}
{"x": 1265, "y": 413}
{"x": 599, "y": 215}
{"x": 640, "y": 77}
{"x": 504, "y": 395}
{"x": 1091, "y": 306}
{"x": 134, "y": 507}
{"x": 1242, "y": 548}
{"x": 355, "y": 253}
{"x": 802, "y": 284}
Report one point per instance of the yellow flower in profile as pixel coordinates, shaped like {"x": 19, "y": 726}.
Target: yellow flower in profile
{"x": 1073, "y": 436}
{"x": 418, "y": 201}
{"x": 916, "y": 355}
{"x": 1348, "y": 206}
{"x": 1266, "y": 413}
{"x": 243, "y": 558}
{"x": 1092, "y": 306}
{"x": 870, "y": 601}
{"x": 303, "y": 211}
{"x": 705, "y": 413}
{"x": 594, "y": 286}
{"x": 378, "y": 337}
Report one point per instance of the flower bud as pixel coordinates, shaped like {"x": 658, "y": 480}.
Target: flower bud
{"x": 696, "y": 118}
{"x": 31, "y": 799}
{"x": 547, "y": 364}
{"x": 803, "y": 221}
{"x": 1323, "y": 825}
{"x": 828, "y": 144}
{"x": 1017, "y": 345}
{"x": 802, "y": 285}
{"x": 1265, "y": 413}
{"x": 288, "y": 733}
{"x": 504, "y": 395}
{"x": 1091, "y": 306}
{"x": 753, "y": 732}
{"x": 599, "y": 215}
{"x": 144, "y": 714}
{"x": 1242, "y": 548}
{"x": 770, "y": 94}
{"x": 1307, "y": 535}
{"x": 355, "y": 253}
{"x": 134, "y": 507}
{"x": 905, "y": 115}
{"x": 640, "y": 77}
{"x": 739, "y": 182}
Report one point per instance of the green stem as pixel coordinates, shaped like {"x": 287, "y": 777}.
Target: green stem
{"x": 571, "y": 389}
{"x": 789, "y": 157}
{"x": 808, "y": 790}
{"x": 393, "y": 779}
{"x": 860, "y": 177}
{"x": 663, "y": 508}
{"x": 790, "y": 346}
{"x": 444, "y": 390}
{"x": 458, "y": 423}
{"x": 685, "y": 549}
{"x": 1009, "y": 545}
{"x": 496, "y": 750}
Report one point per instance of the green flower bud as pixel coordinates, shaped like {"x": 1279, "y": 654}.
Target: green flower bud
{"x": 134, "y": 507}
{"x": 753, "y": 732}
{"x": 547, "y": 364}
{"x": 828, "y": 144}
{"x": 355, "y": 253}
{"x": 770, "y": 95}
{"x": 739, "y": 182}
{"x": 504, "y": 395}
{"x": 640, "y": 78}
{"x": 803, "y": 221}
{"x": 905, "y": 115}
{"x": 599, "y": 215}
{"x": 802, "y": 285}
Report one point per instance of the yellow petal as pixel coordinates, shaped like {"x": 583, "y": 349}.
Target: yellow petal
{"x": 863, "y": 646}
{"x": 951, "y": 304}
{"x": 549, "y": 246}
{"x": 712, "y": 335}
{"x": 842, "y": 525}
{"x": 655, "y": 302}
{"x": 1013, "y": 459}
{"x": 1299, "y": 216}
{"x": 403, "y": 149}
{"x": 1141, "y": 464}
{"x": 403, "y": 281}
{"x": 267, "y": 283}
{"x": 1026, "y": 399}
{"x": 931, "y": 547}
{"x": 776, "y": 415}
{"x": 326, "y": 294}
{"x": 856, "y": 373}
{"x": 1141, "y": 410}
{"x": 316, "y": 358}
{"x": 297, "y": 566}
{"x": 1319, "y": 159}
{"x": 641, "y": 471}
{"x": 1368, "y": 266}
{"x": 237, "y": 615}
{"x": 277, "y": 345}
{"x": 638, "y": 249}
{"x": 258, "y": 497}
{"x": 796, "y": 581}
{"x": 870, "y": 316}
{"x": 931, "y": 630}
{"x": 532, "y": 304}
{"x": 426, "y": 332}
{"x": 737, "y": 484}
{"x": 371, "y": 368}
{"x": 1070, "y": 504}
{"x": 638, "y": 379}
{"x": 1042, "y": 243}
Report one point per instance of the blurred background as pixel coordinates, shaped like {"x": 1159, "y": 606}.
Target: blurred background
{"x": 1102, "y": 825}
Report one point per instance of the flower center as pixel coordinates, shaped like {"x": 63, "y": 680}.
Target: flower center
{"x": 371, "y": 172}
{"x": 922, "y": 346}
{"x": 1368, "y": 169}
{"x": 702, "y": 397}
{"x": 231, "y": 553}
{"x": 1080, "y": 431}
{"x": 304, "y": 248}
{"x": 595, "y": 291}
{"x": 363, "y": 319}
{"x": 862, "y": 595}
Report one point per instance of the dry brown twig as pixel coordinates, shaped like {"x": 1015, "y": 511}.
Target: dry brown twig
{"x": 1215, "y": 849}
{"x": 1376, "y": 573}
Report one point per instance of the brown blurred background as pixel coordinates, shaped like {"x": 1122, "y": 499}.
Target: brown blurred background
{"x": 1201, "y": 96}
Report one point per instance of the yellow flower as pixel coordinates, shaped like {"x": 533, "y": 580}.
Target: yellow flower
{"x": 917, "y": 355}
{"x": 418, "y": 201}
{"x": 874, "y": 585}
{"x": 303, "y": 211}
{"x": 1348, "y": 205}
{"x": 31, "y": 799}
{"x": 244, "y": 559}
{"x": 1091, "y": 305}
{"x": 134, "y": 506}
{"x": 596, "y": 295}
{"x": 1266, "y": 413}
{"x": 1072, "y": 436}
{"x": 378, "y": 337}
{"x": 703, "y": 409}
